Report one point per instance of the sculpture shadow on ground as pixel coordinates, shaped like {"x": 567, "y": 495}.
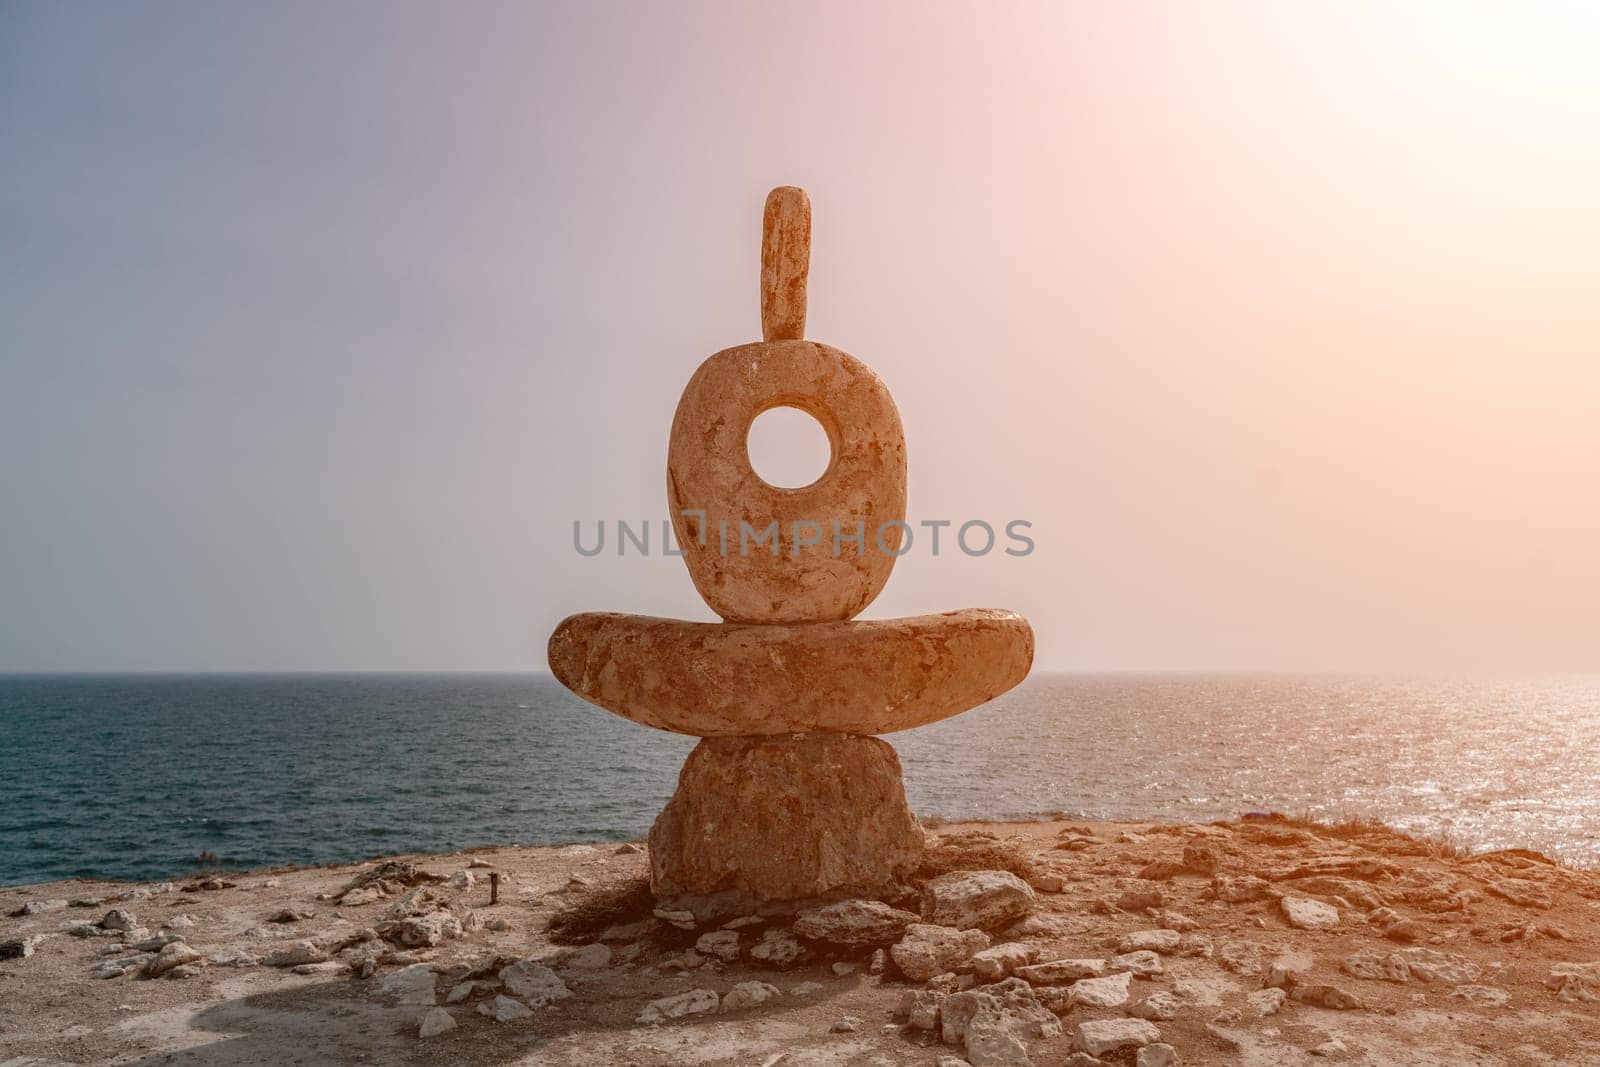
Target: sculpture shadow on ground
{"x": 351, "y": 1021}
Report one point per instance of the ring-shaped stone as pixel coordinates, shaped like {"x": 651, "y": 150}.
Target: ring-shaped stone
{"x": 759, "y": 553}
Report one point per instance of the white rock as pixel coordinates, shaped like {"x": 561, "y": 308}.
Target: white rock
{"x": 1483, "y": 996}
{"x": 1157, "y": 1055}
{"x": 1162, "y": 941}
{"x": 683, "y": 920}
{"x": 1429, "y": 965}
{"x": 777, "y": 948}
{"x": 294, "y": 953}
{"x": 694, "y": 1002}
{"x": 1143, "y": 963}
{"x": 1159, "y": 1006}
{"x": 748, "y": 995}
{"x": 592, "y": 957}
{"x": 991, "y": 1044}
{"x": 1241, "y": 957}
{"x": 119, "y": 919}
{"x": 1100, "y": 1036}
{"x": 1266, "y": 1002}
{"x": 1376, "y": 966}
{"x": 412, "y": 985}
{"x": 1110, "y": 991}
{"x": 1000, "y": 961}
{"x": 117, "y": 968}
{"x": 326, "y": 967}
{"x": 422, "y": 931}
{"x": 854, "y": 922}
{"x": 533, "y": 983}
{"x": 1575, "y": 983}
{"x": 921, "y": 1008}
{"x": 1057, "y": 972}
{"x": 723, "y": 944}
{"x": 34, "y": 907}
{"x": 434, "y": 1022}
{"x": 502, "y": 1009}
{"x": 927, "y": 950}
{"x": 153, "y": 944}
{"x": 1303, "y": 913}
{"x": 169, "y": 958}
{"x": 976, "y": 900}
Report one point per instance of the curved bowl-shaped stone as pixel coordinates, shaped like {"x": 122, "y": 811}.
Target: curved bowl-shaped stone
{"x": 731, "y": 680}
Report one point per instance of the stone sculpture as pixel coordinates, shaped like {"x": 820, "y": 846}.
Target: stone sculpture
{"x": 788, "y": 799}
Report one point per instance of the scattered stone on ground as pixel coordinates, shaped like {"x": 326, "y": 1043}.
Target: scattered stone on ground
{"x": 1229, "y": 956}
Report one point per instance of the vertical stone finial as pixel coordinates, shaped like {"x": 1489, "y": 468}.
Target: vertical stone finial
{"x": 785, "y": 263}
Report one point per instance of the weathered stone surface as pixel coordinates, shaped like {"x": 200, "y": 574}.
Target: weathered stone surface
{"x": 1111, "y": 991}
{"x": 783, "y": 819}
{"x": 1377, "y": 966}
{"x": 1522, "y": 891}
{"x": 748, "y": 995}
{"x": 854, "y": 922}
{"x": 1159, "y": 1006}
{"x": 1241, "y": 957}
{"x": 434, "y": 1022}
{"x": 1157, "y": 1055}
{"x": 294, "y": 953}
{"x": 928, "y": 950}
{"x": 721, "y": 680}
{"x": 785, "y": 263}
{"x": 976, "y": 900}
{"x": 1057, "y": 972}
{"x": 1143, "y": 963}
{"x": 777, "y": 948}
{"x": 502, "y": 1009}
{"x": 921, "y": 1008}
{"x": 1429, "y": 965}
{"x": 170, "y": 958}
{"x": 533, "y": 983}
{"x": 1266, "y": 1002}
{"x": 1000, "y": 961}
{"x": 1303, "y": 913}
{"x": 1162, "y": 941}
{"x": 1327, "y": 996}
{"x": 119, "y": 919}
{"x": 694, "y": 1002}
{"x": 1482, "y": 996}
{"x": 1576, "y": 983}
{"x": 1100, "y": 1036}
{"x": 1010, "y": 1006}
{"x": 413, "y": 985}
{"x": 723, "y": 944}
{"x": 711, "y": 486}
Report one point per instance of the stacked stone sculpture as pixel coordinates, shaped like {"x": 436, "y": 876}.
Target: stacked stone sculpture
{"x": 789, "y": 799}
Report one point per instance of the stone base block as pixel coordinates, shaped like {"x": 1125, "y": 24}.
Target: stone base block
{"x": 770, "y": 824}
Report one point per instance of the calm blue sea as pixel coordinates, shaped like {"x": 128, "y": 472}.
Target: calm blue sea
{"x": 132, "y": 776}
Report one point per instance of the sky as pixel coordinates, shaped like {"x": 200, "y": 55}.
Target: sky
{"x": 320, "y": 325}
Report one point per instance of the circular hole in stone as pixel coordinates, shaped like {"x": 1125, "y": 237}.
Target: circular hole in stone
{"x": 788, "y": 448}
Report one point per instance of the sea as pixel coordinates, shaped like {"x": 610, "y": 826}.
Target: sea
{"x": 135, "y": 776}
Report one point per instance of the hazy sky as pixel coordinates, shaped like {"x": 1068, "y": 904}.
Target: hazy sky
{"x": 321, "y": 323}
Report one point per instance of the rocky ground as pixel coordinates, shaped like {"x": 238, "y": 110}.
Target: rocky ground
{"x": 1258, "y": 942}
